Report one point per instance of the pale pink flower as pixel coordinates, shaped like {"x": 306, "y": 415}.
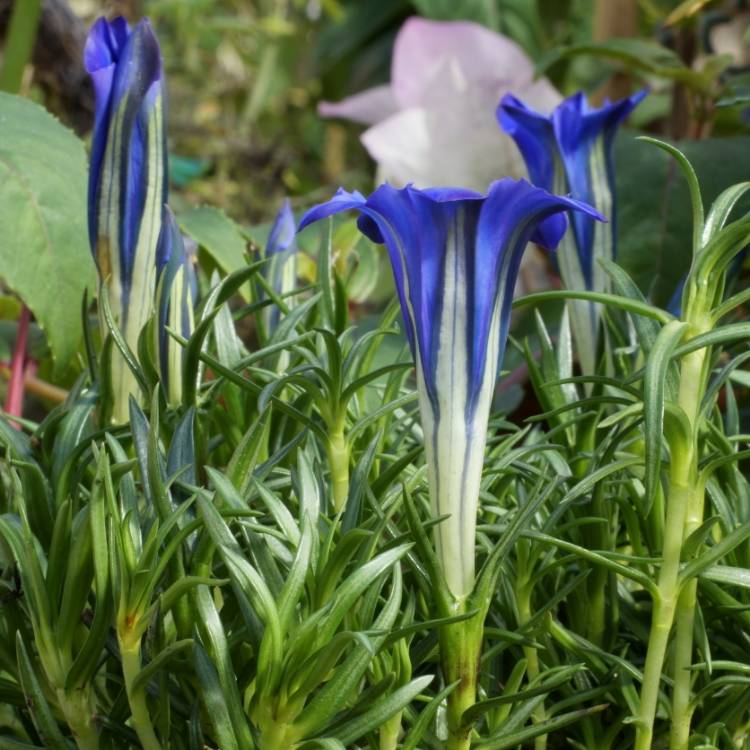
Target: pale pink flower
{"x": 435, "y": 124}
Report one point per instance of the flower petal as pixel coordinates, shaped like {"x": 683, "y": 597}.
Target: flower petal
{"x": 482, "y": 56}
{"x": 534, "y": 136}
{"x": 366, "y": 107}
{"x": 342, "y": 201}
{"x": 283, "y": 231}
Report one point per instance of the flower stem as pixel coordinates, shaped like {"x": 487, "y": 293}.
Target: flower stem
{"x": 338, "y": 457}
{"x": 523, "y": 597}
{"x": 684, "y": 515}
{"x": 665, "y": 601}
{"x": 14, "y": 398}
{"x": 460, "y": 647}
{"x": 78, "y": 711}
{"x": 681, "y": 711}
{"x": 390, "y": 731}
{"x": 130, "y": 653}
{"x": 691, "y": 390}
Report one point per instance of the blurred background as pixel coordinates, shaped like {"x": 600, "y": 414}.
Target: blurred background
{"x": 245, "y": 77}
{"x": 252, "y": 87}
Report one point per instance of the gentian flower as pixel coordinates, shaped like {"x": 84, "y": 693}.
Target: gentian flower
{"x": 455, "y": 255}
{"x": 128, "y": 175}
{"x": 176, "y": 294}
{"x": 433, "y": 124}
{"x": 281, "y": 254}
{"x": 571, "y": 152}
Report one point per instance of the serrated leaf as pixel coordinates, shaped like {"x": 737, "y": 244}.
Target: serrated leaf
{"x": 44, "y": 255}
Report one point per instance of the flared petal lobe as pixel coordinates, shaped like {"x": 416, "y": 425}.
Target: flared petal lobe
{"x": 455, "y": 256}
{"x": 585, "y": 137}
{"x": 535, "y": 137}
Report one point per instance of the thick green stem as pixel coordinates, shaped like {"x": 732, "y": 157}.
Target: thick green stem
{"x": 692, "y": 380}
{"x": 684, "y": 515}
{"x": 338, "y": 457}
{"x": 665, "y": 601}
{"x": 130, "y": 653}
{"x": 460, "y": 648}
{"x": 683, "y": 656}
{"x": 79, "y": 715}
{"x": 278, "y": 736}
{"x": 389, "y": 732}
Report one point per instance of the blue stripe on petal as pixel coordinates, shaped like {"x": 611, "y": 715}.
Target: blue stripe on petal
{"x": 579, "y": 138}
{"x": 455, "y": 258}
{"x": 127, "y": 178}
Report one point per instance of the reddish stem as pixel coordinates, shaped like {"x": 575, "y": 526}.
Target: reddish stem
{"x": 14, "y": 398}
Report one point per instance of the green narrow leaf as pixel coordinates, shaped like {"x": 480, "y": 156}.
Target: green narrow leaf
{"x": 654, "y": 386}
{"x": 426, "y": 718}
{"x": 383, "y": 709}
{"x": 720, "y": 210}
{"x": 506, "y": 741}
{"x": 249, "y": 453}
{"x": 339, "y": 689}
{"x": 41, "y": 713}
{"x": 160, "y": 662}
{"x": 693, "y": 187}
{"x": 213, "y": 699}
{"x": 358, "y": 484}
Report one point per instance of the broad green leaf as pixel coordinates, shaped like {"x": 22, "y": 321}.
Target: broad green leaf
{"x": 219, "y": 236}
{"x": 44, "y": 254}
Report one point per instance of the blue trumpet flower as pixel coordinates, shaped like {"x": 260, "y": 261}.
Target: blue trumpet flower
{"x": 175, "y": 301}
{"x": 570, "y": 152}
{"x": 128, "y": 175}
{"x": 281, "y": 253}
{"x": 455, "y": 256}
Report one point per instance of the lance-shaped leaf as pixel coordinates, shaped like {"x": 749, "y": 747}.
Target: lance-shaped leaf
{"x": 455, "y": 256}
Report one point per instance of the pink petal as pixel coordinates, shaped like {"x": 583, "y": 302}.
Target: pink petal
{"x": 484, "y": 58}
{"x": 367, "y": 107}
{"x": 430, "y": 148}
